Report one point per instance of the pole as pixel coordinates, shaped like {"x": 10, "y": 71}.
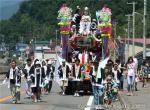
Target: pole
{"x": 144, "y": 29}
{"x": 126, "y": 48}
{"x": 115, "y": 34}
{"x": 56, "y": 37}
{"x": 129, "y": 19}
{"x": 133, "y": 39}
{"x": 133, "y": 26}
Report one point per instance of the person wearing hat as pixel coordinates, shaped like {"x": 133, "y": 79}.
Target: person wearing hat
{"x": 63, "y": 71}
{"x": 49, "y": 75}
{"x": 97, "y": 78}
{"x": 36, "y": 76}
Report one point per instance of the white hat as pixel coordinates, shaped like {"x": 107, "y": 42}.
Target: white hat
{"x": 78, "y": 7}
{"x": 49, "y": 62}
{"x": 63, "y": 60}
{"x": 86, "y": 8}
{"x": 37, "y": 62}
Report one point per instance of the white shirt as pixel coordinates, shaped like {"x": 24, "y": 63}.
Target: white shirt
{"x": 77, "y": 68}
{"x": 28, "y": 69}
{"x": 64, "y": 72}
{"x": 11, "y": 73}
{"x": 131, "y": 69}
{"x": 45, "y": 69}
{"x": 115, "y": 74}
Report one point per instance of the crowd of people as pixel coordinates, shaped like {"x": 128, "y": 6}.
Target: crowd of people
{"x": 105, "y": 81}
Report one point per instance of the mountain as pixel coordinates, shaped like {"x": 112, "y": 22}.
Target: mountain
{"x": 38, "y": 18}
{"x": 8, "y": 8}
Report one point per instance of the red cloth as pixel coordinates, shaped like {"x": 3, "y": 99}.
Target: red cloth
{"x": 82, "y": 58}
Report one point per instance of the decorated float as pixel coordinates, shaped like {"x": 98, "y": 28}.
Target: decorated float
{"x": 85, "y": 38}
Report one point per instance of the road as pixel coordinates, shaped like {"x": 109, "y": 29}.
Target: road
{"x": 139, "y": 101}
{"x": 53, "y": 101}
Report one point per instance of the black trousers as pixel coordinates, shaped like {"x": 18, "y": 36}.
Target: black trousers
{"x": 76, "y": 86}
{"x": 121, "y": 84}
{"x": 50, "y": 86}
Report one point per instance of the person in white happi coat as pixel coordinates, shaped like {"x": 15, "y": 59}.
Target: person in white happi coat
{"x": 63, "y": 71}
{"x": 27, "y": 77}
{"x": 14, "y": 76}
{"x": 49, "y": 76}
{"x": 36, "y": 76}
{"x": 76, "y": 73}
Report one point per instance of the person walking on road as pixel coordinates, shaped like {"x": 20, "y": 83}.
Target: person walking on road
{"x": 14, "y": 76}
{"x": 98, "y": 88}
{"x": 76, "y": 73}
{"x": 36, "y": 76}
{"x": 49, "y": 75}
{"x": 27, "y": 77}
{"x": 131, "y": 69}
{"x": 63, "y": 71}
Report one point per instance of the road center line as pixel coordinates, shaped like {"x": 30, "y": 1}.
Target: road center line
{"x": 89, "y": 103}
{"x": 5, "y": 98}
{"x": 8, "y": 97}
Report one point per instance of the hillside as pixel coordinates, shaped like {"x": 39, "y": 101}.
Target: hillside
{"x": 37, "y": 18}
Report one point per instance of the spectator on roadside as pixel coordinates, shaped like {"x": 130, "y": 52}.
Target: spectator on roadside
{"x": 116, "y": 74}
{"x": 144, "y": 72}
{"x": 121, "y": 68}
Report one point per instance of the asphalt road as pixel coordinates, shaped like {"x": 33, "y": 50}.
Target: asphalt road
{"x": 140, "y": 99}
{"x": 53, "y": 101}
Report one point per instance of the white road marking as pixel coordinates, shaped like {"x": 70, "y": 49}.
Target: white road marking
{"x": 89, "y": 103}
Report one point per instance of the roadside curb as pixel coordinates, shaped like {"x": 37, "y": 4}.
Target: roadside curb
{"x": 123, "y": 102}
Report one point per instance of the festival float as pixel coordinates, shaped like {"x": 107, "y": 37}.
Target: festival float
{"x": 85, "y": 38}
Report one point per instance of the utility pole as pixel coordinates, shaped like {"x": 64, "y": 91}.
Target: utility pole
{"x": 22, "y": 39}
{"x": 144, "y": 29}
{"x": 126, "y": 49}
{"x": 56, "y": 36}
{"x": 133, "y": 26}
{"x": 128, "y": 34}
